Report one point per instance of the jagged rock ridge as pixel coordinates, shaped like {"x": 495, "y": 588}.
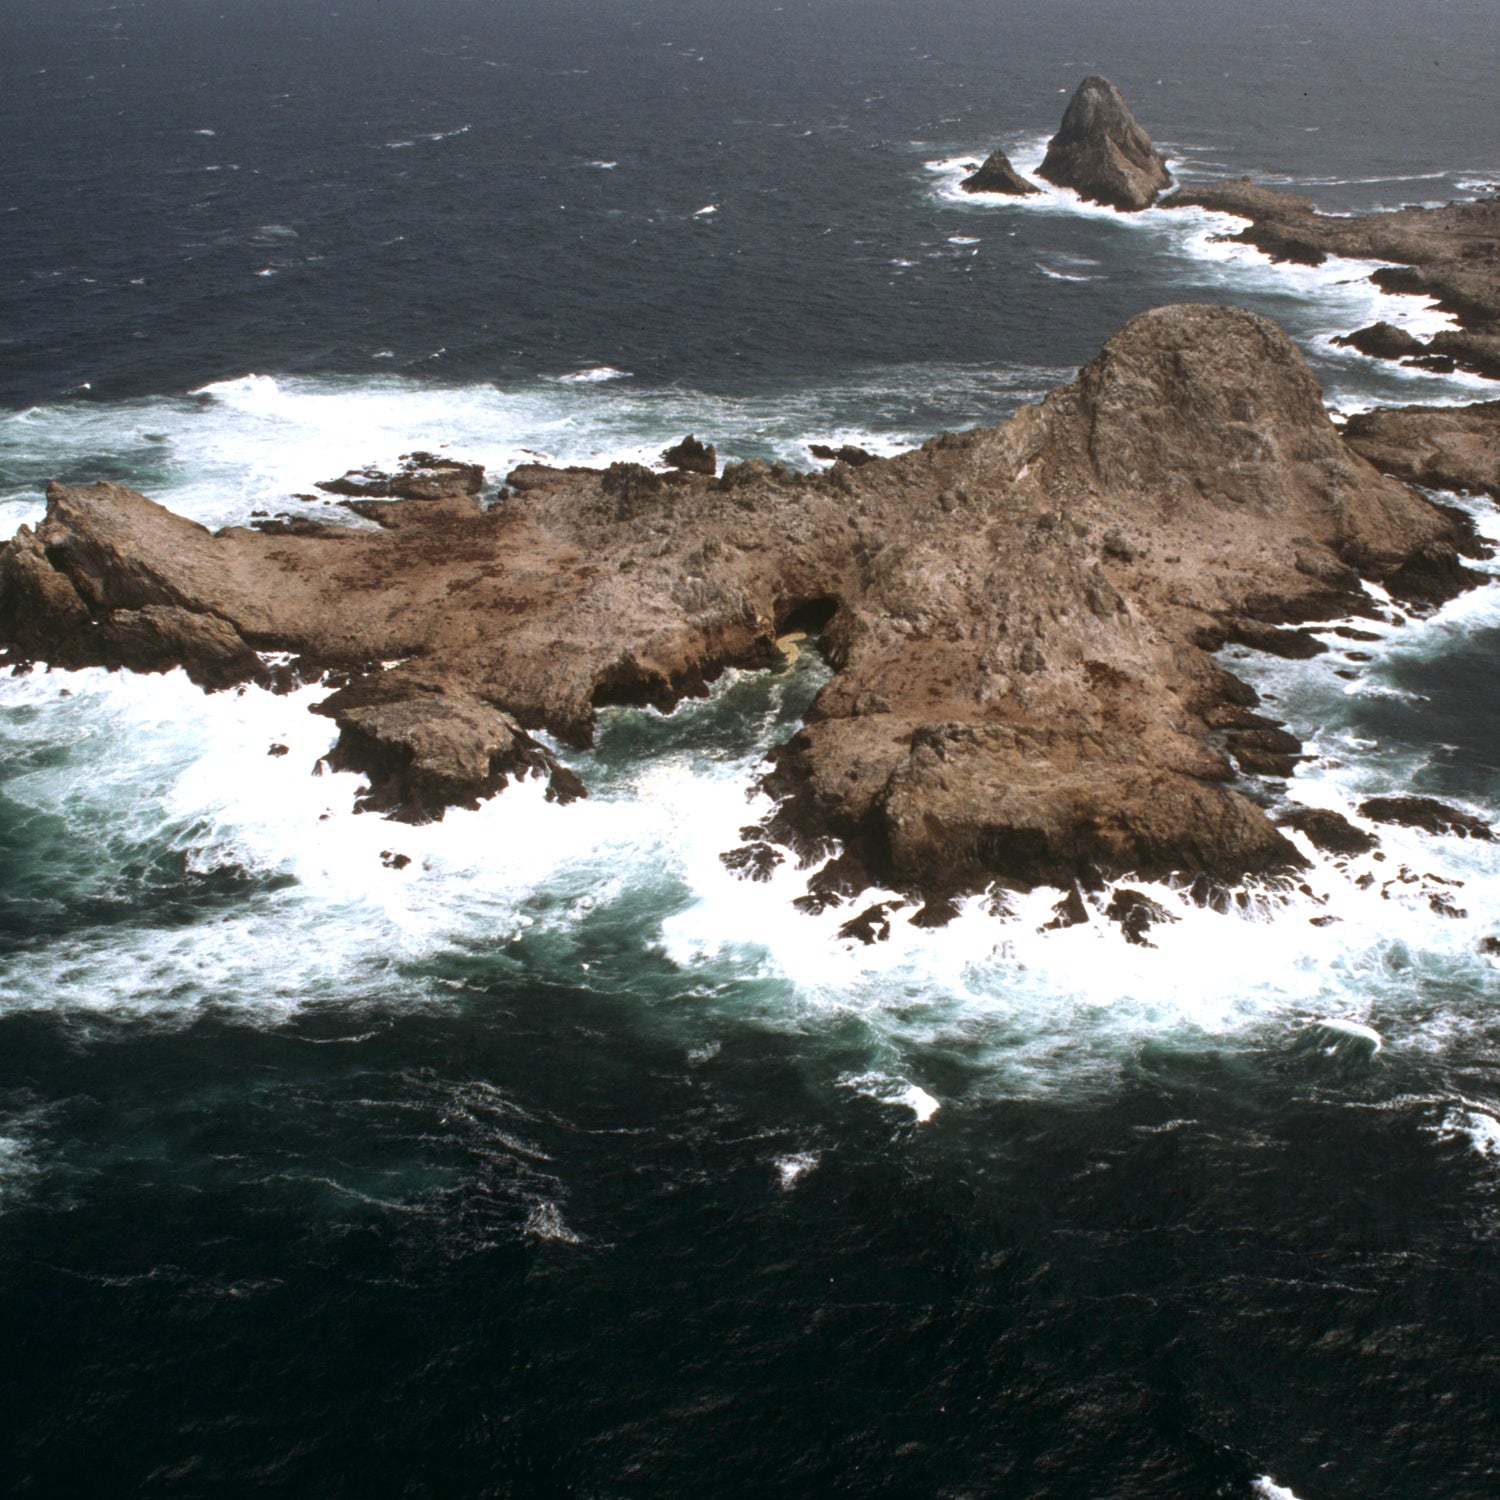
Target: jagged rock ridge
{"x": 1019, "y": 619}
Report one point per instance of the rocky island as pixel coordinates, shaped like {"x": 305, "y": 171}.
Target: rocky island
{"x": 1020, "y": 620}
{"x": 1100, "y": 151}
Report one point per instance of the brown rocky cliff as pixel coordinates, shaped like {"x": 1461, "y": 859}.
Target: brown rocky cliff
{"x": 1017, "y": 617}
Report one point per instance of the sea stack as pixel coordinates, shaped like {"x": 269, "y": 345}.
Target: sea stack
{"x": 1101, "y": 152}
{"x": 997, "y": 175}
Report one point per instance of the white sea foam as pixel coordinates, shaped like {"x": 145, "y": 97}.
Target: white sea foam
{"x": 895, "y": 1091}
{"x": 1266, "y": 1488}
{"x": 259, "y": 443}
{"x": 18, "y": 1166}
{"x": 545, "y": 1222}
{"x": 593, "y": 375}
{"x": 156, "y": 763}
{"x": 790, "y": 1170}
{"x": 1480, "y": 1130}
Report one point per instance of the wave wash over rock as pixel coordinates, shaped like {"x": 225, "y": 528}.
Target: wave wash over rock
{"x": 1102, "y": 153}
{"x": 1019, "y": 619}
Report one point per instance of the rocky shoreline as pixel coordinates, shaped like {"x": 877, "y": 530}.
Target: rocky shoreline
{"x": 1450, "y": 254}
{"x": 1021, "y": 620}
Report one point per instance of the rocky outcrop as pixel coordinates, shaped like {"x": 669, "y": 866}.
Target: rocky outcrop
{"x": 1451, "y": 254}
{"x": 1383, "y": 341}
{"x": 996, "y": 175}
{"x": 1020, "y": 620}
{"x": 1441, "y": 447}
{"x": 1427, "y": 814}
{"x": 421, "y": 476}
{"x": 425, "y": 751}
{"x": 1102, "y": 153}
{"x": 846, "y": 453}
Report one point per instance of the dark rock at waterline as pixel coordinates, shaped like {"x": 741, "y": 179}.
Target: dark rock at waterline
{"x": 755, "y": 860}
{"x": 1427, "y": 814}
{"x": 692, "y": 457}
{"x": 158, "y": 637}
{"x": 1071, "y": 911}
{"x": 1382, "y": 341}
{"x": 1479, "y": 353}
{"x": 422, "y": 476}
{"x": 1136, "y": 914}
{"x": 846, "y": 454}
{"x": 1010, "y": 697}
{"x": 937, "y": 911}
{"x": 872, "y": 925}
{"x": 1265, "y": 752}
{"x": 1441, "y": 447}
{"x": 424, "y": 753}
{"x": 1102, "y": 153}
{"x": 997, "y": 175}
{"x": 1329, "y": 831}
{"x": 1294, "y": 645}
{"x": 1432, "y": 574}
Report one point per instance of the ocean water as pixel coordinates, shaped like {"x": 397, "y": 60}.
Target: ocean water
{"x": 558, "y": 1161}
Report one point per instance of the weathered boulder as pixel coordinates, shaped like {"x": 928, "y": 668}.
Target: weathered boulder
{"x": 161, "y": 636}
{"x": 1102, "y": 153}
{"x": 424, "y": 752}
{"x": 1329, "y": 831}
{"x": 996, "y": 175}
{"x": 845, "y": 453}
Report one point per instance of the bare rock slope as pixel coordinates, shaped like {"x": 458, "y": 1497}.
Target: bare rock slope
{"x": 1019, "y": 619}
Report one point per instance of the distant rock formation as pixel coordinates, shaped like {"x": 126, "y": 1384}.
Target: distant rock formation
{"x": 1102, "y": 153}
{"x": 422, "y": 476}
{"x": 997, "y": 175}
{"x": 1441, "y": 447}
{"x": 1451, "y": 254}
{"x": 1020, "y": 620}
{"x": 845, "y": 454}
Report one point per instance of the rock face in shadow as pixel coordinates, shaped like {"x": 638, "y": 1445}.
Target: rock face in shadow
{"x": 1442, "y": 447}
{"x": 1101, "y": 152}
{"x": 997, "y": 175}
{"x": 1019, "y": 619}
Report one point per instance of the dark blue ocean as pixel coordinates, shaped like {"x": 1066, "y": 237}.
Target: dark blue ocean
{"x": 557, "y": 1161}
